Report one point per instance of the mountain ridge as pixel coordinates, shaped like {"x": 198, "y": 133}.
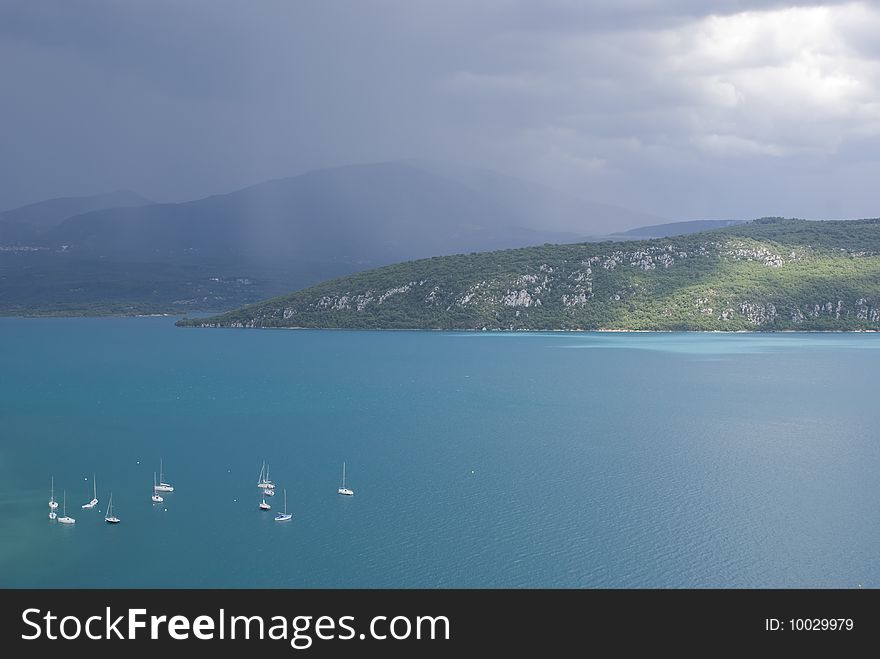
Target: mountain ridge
{"x": 26, "y": 223}
{"x": 238, "y": 247}
{"x": 562, "y": 211}
{"x": 378, "y": 212}
{"x": 771, "y": 274}
{"x": 665, "y": 229}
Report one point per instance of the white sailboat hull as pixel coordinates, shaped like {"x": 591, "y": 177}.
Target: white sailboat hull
{"x": 110, "y": 518}
{"x": 156, "y": 498}
{"x": 162, "y": 486}
{"x": 64, "y": 519}
{"x": 285, "y": 516}
{"x": 344, "y": 490}
{"x": 53, "y": 505}
{"x": 94, "y": 501}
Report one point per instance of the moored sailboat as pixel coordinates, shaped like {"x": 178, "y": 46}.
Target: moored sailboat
{"x": 94, "y": 501}
{"x": 155, "y": 498}
{"x": 344, "y": 490}
{"x": 285, "y": 516}
{"x": 264, "y": 483}
{"x": 163, "y": 486}
{"x": 110, "y": 518}
{"x": 53, "y": 505}
{"x": 64, "y": 519}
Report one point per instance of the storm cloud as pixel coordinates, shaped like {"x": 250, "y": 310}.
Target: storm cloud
{"x": 685, "y": 109}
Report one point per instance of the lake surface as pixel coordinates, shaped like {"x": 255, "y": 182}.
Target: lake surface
{"x": 477, "y": 459}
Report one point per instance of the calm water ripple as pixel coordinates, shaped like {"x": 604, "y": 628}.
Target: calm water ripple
{"x": 478, "y": 459}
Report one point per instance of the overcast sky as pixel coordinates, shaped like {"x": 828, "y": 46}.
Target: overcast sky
{"x": 683, "y": 108}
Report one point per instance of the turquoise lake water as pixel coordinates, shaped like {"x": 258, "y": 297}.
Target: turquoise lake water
{"x": 477, "y": 459}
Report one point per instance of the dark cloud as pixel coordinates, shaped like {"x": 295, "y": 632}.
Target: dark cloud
{"x": 683, "y": 108}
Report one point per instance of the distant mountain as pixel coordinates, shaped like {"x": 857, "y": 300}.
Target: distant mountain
{"x": 230, "y": 249}
{"x": 770, "y": 274}
{"x": 672, "y": 229}
{"x": 358, "y": 215}
{"x": 540, "y": 204}
{"x": 25, "y": 223}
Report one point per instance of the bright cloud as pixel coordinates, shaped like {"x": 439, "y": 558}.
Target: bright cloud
{"x": 774, "y": 82}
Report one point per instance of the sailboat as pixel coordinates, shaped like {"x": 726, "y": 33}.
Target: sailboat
{"x": 110, "y": 518}
{"x": 285, "y": 516}
{"x": 344, "y": 490}
{"x": 264, "y": 483}
{"x": 156, "y": 498}
{"x": 94, "y": 501}
{"x": 163, "y": 486}
{"x": 64, "y": 519}
{"x": 53, "y": 505}
{"x": 264, "y": 505}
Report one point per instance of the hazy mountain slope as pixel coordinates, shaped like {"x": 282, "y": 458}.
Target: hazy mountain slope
{"x": 365, "y": 214}
{"x": 25, "y": 223}
{"x": 673, "y": 229}
{"x": 277, "y": 236}
{"x": 551, "y": 208}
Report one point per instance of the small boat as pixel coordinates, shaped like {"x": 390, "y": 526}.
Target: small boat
{"x": 285, "y": 516}
{"x": 53, "y": 505}
{"x": 156, "y": 498}
{"x": 264, "y": 505}
{"x": 110, "y": 518}
{"x": 163, "y": 486}
{"x": 64, "y": 519}
{"x": 94, "y": 501}
{"x": 269, "y": 492}
{"x": 344, "y": 490}
{"x": 264, "y": 483}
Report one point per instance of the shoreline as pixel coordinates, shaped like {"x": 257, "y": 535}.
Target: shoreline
{"x": 542, "y": 331}
{"x": 603, "y": 330}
